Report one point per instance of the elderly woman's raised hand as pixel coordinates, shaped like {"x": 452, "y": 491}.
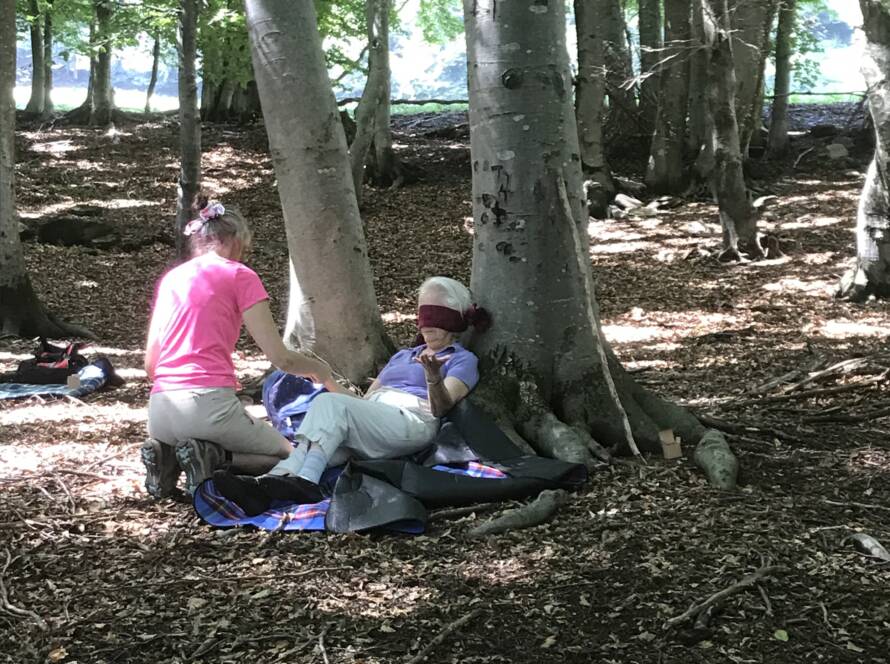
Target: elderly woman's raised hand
{"x": 432, "y": 365}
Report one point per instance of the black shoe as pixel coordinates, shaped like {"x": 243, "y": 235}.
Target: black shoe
{"x": 243, "y": 490}
{"x": 290, "y": 488}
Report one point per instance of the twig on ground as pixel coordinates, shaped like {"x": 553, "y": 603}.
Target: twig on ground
{"x": 839, "y": 367}
{"x": 321, "y": 648}
{"x": 802, "y": 155}
{"x": 766, "y": 603}
{"x": 448, "y": 629}
{"x": 850, "y": 419}
{"x": 736, "y": 428}
{"x": 51, "y": 475}
{"x": 124, "y": 451}
{"x": 67, "y": 493}
{"x": 534, "y": 513}
{"x": 237, "y": 579}
{"x": 719, "y": 597}
{"x": 439, "y": 515}
{"x": 804, "y": 394}
{"x": 865, "y": 506}
{"x": 10, "y": 608}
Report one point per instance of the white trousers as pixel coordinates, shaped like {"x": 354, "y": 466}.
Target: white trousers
{"x": 389, "y": 424}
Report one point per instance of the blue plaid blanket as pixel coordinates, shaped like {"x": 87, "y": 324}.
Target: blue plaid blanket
{"x": 220, "y": 512}
{"x": 92, "y": 377}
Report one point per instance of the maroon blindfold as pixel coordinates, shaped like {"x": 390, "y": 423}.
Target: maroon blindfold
{"x": 432, "y": 315}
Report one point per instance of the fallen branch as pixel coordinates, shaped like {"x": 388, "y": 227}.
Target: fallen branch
{"x": 840, "y": 367}
{"x": 448, "y": 629}
{"x": 535, "y": 513}
{"x": 719, "y": 597}
{"x": 849, "y": 419}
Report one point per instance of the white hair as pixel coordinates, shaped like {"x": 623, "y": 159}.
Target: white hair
{"x": 446, "y": 292}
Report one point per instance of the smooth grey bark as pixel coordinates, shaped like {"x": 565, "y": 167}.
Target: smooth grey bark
{"x": 651, "y": 42}
{"x": 189, "y": 121}
{"x": 778, "y": 125}
{"x": 541, "y": 356}
{"x": 332, "y": 308}
{"x": 36, "y": 104}
{"x": 698, "y": 123}
{"x": 623, "y": 118}
{"x": 367, "y": 109}
{"x": 48, "y": 58}
{"x": 103, "y": 100}
{"x": 665, "y": 172}
{"x": 590, "y": 97}
{"x": 870, "y": 274}
{"x": 385, "y": 169}
{"x": 153, "y": 80}
{"x": 737, "y": 218}
{"x": 751, "y": 22}
{"x": 21, "y": 314}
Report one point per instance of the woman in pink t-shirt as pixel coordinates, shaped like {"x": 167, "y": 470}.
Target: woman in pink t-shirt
{"x": 195, "y": 421}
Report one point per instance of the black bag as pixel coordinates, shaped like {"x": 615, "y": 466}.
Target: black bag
{"x": 51, "y": 365}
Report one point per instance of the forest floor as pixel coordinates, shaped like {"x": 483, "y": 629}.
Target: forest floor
{"x": 92, "y": 571}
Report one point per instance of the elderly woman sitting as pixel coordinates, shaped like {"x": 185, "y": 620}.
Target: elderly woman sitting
{"x": 399, "y": 414}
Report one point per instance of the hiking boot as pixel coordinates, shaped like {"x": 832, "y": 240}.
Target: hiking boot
{"x": 161, "y": 468}
{"x": 198, "y": 459}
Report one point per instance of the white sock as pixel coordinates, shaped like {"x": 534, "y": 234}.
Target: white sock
{"x": 314, "y": 465}
{"x": 292, "y": 464}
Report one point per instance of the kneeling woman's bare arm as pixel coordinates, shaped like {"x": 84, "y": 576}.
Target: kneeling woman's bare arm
{"x": 259, "y": 322}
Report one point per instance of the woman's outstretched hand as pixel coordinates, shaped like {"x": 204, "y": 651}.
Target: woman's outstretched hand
{"x": 432, "y": 366}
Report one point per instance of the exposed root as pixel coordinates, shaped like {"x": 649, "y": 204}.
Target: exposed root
{"x": 22, "y": 315}
{"x": 553, "y": 438}
{"x": 534, "y": 513}
{"x": 713, "y": 456}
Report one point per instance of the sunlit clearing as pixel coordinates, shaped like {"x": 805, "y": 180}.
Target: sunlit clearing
{"x": 398, "y": 317}
{"x": 666, "y": 326}
{"x": 6, "y": 357}
{"x": 115, "y": 352}
{"x": 650, "y": 364}
{"x": 823, "y": 258}
{"x": 842, "y": 329}
{"x": 815, "y": 288}
{"x": 812, "y": 222}
{"x": 86, "y": 284}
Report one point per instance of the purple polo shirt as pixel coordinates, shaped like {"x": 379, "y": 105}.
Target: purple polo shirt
{"x": 403, "y": 372}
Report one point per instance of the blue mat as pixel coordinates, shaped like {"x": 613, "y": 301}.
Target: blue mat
{"x": 92, "y": 377}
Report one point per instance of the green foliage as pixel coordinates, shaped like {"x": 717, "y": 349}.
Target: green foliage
{"x": 223, "y": 43}
{"x": 806, "y": 40}
{"x": 341, "y": 23}
{"x": 440, "y": 20}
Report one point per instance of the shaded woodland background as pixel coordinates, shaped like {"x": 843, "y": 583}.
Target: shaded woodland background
{"x": 92, "y": 571}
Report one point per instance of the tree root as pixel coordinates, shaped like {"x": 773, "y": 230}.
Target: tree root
{"x": 535, "y": 513}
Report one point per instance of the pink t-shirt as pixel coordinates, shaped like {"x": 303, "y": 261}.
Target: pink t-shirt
{"x": 197, "y": 319}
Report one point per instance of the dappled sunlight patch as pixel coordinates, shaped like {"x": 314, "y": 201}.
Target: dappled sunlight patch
{"x": 822, "y": 258}
{"x": 380, "y": 599}
{"x": 499, "y": 571}
{"x": 95, "y": 417}
{"x": 842, "y": 328}
{"x": 812, "y": 288}
{"x": 398, "y": 317}
{"x": 54, "y": 147}
{"x": 809, "y": 221}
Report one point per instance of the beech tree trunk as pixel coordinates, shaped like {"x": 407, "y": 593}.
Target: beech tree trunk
{"x": 778, "y": 125}
{"x": 48, "y": 58}
{"x": 737, "y": 218}
{"x": 21, "y": 314}
{"x": 665, "y": 173}
{"x": 751, "y": 22}
{"x": 385, "y": 169}
{"x": 590, "y": 97}
{"x": 189, "y": 121}
{"x": 699, "y": 124}
{"x": 36, "y": 104}
{"x": 541, "y": 365}
{"x": 98, "y": 108}
{"x": 623, "y": 119}
{"x": 651, "y": 42}
{"x": 153, "y": 81}
{"x": 871, "y": 273}
{"x": 332, "y": 308}
{"x": 103, "y": 100}
{"x": 372, "y": 95}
